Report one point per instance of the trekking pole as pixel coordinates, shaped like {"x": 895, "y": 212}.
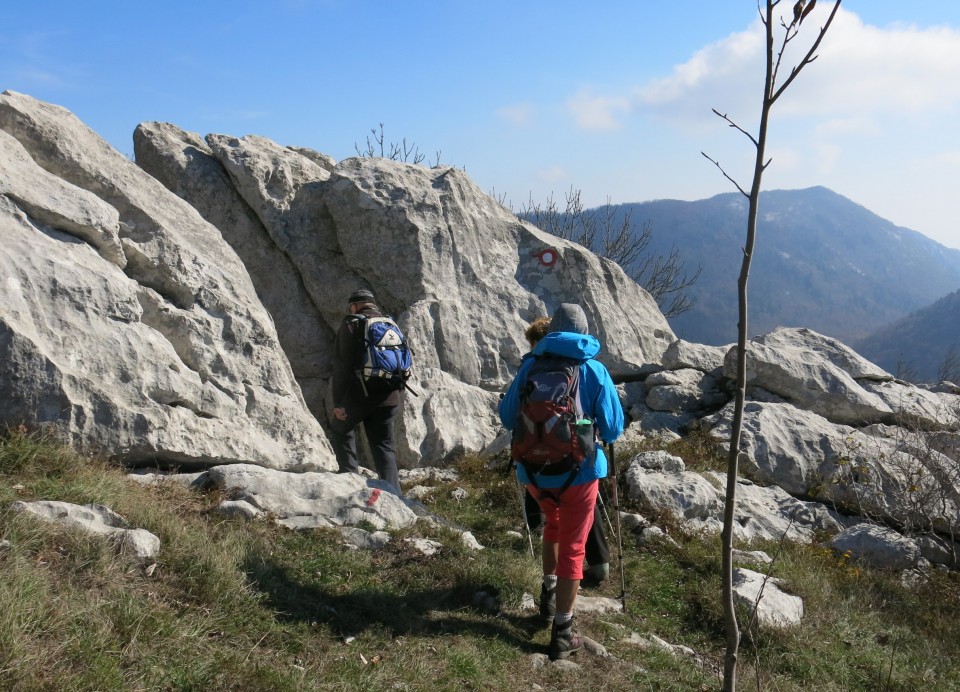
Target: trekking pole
{"x": 615, "y": 496}
{"x": 603, "y": 509}
{"x": 526, "y": 520}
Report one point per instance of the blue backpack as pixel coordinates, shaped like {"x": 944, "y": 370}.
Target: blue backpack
{"x": 387, "y": 359}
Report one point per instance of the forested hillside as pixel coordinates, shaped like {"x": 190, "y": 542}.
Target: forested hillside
{"x": 822, "y": 261}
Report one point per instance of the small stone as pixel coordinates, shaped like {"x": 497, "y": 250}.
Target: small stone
{"x": 594, "y": 647}
{"x": 566, "y": 664}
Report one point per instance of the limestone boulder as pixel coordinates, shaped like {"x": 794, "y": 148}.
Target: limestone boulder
{"x": 686, "y": 389}
{"x": 916, "y": 408}
{"x": 876, "y": 546}
{"x": 127, "y": 324}
{"x": 763, "y": 597}
{"x": 684, "y": 354}
{"x": 312, "y": 499}
{"x": 880, "y": 471}
{"x": 461, "y": 274}
{"x": 95, "y": 520}
{"x": 816, "y": 373}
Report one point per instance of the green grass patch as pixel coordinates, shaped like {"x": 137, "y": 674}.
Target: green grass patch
{"x": 232, "y": 604}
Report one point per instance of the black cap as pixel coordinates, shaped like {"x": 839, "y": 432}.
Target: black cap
{"x": 361, "y": 295}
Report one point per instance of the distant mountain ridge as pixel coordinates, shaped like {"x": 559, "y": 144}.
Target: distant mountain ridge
{"x": 821, "y": 261}
{"x": 918, "y": 343}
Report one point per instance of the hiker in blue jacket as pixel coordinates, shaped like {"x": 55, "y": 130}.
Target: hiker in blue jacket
{"x": 597, "y": 550}
{"x": 568, "y": 511}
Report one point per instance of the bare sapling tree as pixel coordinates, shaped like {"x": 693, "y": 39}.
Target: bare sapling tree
{"x": 664, "y": 277}
{"x": 772, "y": 91}
{"x": 379, "y": 147}
{"x": 949, "y": 370}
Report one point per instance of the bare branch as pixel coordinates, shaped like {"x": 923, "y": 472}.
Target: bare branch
{"x": 378, "y": 147}
{"x": 809, "y": 57}
{"x": 726, "y": 175}
{"x": 735, "y": 126}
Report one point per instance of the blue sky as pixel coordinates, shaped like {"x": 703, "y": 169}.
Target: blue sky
{"x": 531, "y": 98}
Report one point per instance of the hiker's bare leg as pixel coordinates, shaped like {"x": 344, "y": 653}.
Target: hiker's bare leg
{"x": 550, "y": 556}
{"x": 566, "y": 594}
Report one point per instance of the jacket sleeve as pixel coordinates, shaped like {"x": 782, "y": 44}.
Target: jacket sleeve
{"x": 608, "y": 412}
{"x": 344, "y": 356}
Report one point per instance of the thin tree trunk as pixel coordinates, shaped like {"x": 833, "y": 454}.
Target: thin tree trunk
{"x": 730, "y": 614}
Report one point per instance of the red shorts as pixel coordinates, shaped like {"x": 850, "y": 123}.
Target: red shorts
{"x": 568, "y": 523}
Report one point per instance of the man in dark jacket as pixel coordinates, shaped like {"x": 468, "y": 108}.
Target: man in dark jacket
{"x": 375, "y": 407}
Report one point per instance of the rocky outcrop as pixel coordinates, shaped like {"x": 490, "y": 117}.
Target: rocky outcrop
{"x": 820, "y": 423}
{"x": 127, "y": 324}
{"x": 130, "y": 326}
{"x": 815, "y": 373}
{"x": 462, "y": 275}
{"x": 661, "y": 484}
{"x": 183, "y": 310}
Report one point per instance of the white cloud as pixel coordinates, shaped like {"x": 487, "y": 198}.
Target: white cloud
{"x": 861, "y": 71}
{"x": 594, "y": 112}
{"x": 712, "y": 78}
{"x": 520, "y": 114}
{"x": 874, "y": 113}
{"x": 858, "y": 125}
{"x": 553, "y": 174}
{"x": 828, "y": 155}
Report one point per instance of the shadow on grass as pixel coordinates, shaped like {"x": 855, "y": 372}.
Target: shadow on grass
{"x": 424, "y": 613}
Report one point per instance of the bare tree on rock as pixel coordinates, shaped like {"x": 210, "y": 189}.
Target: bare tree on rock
{"x": 771, "y": 93}
{"x": 664, "y": 277}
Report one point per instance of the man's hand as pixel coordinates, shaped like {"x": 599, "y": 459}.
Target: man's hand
{"x": 340, "y": 413}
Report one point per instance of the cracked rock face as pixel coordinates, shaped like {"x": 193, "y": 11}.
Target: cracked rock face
{"x": 183, "y": 309}
{"x": 127, "y": 324}
{"x": 461, "y": 274}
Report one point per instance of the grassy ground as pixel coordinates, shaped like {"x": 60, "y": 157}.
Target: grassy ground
{"x": 237, "y": 605}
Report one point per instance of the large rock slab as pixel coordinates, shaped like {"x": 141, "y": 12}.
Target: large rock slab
{"x": 460, "y": 273}
{"x": 303, "y": 500}
{"x": 685, "y": 354}
{"x": 127, "y": 324}
{"x": 886, "y": 472}
{"x": 189, "y": 167}
{"x": 698, "y": 501}
{"x": 816, "y": 373}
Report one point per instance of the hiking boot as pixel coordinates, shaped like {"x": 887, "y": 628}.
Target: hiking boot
{"x": 548, "y": 604}
{"x": 594, "y": 575}
{"x": 565, "y": 639}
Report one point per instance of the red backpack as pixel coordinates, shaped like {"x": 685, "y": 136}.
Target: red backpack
{"x": 552, "y": 435}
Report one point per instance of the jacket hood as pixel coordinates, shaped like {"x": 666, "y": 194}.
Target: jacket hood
{"x": 568, "y": 345}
